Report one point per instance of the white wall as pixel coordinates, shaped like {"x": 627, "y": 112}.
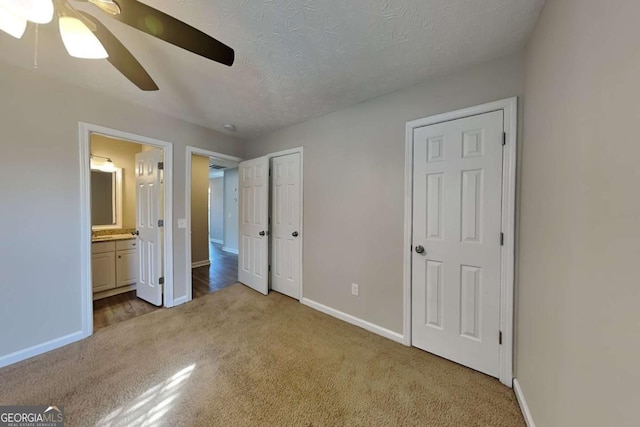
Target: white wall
{"x": 40, "y": 194}
{"x": 578, "y": 324}
{"x": 354, "y": 186}
{"x": 231, "y": 209}
{"x": 216, "y": 209}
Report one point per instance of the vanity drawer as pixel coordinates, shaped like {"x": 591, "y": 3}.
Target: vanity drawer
{"x": 122, "y": 245}
{"x": 102, "y": 247}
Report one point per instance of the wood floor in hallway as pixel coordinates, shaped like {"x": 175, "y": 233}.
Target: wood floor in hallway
{"x": 222, "y": 272}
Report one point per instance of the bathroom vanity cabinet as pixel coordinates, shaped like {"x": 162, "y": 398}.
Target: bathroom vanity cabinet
{"x": 114, "y": 267}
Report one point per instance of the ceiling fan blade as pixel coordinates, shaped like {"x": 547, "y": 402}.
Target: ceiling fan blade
{"x": 165, "y": 27}
{"x": 121, "y": 58}
{"x": 107, "y": 6}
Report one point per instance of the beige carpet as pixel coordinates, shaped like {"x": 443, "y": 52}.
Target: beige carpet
{"x": 236, "y": 357}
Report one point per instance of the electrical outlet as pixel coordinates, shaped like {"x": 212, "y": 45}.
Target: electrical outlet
{"x": 354, "y": 289}
{"x": 182, "y": 223}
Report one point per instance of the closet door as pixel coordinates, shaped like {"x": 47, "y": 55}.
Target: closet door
{"x": 253, "y": 208}
{"x": 286, "y": 239}
{"x": 457, "y": 189}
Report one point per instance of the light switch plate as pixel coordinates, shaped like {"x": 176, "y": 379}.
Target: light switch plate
{"x": 182, "y": 223}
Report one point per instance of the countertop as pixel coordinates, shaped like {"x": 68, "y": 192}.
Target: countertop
{"x": 112, "y": 238}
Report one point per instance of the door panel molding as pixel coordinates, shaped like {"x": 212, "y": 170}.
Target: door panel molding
{"x": 510, "y": 108}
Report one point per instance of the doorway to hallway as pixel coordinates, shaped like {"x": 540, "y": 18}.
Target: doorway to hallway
{"x": 212, "y": 221}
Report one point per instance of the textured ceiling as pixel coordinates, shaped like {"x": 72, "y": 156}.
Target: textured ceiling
{"x": 295, "y": 59}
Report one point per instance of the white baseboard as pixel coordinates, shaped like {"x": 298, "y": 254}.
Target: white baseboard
{"x": 217, "y": 241}
{"x": 27, "y": 353}
{"x": 200, "y": 263}
{"x": 231, "y": 250}
{"x": 180, "y": 301}
{"x": 528, "y": 419}
{"x": 394, "y": 336}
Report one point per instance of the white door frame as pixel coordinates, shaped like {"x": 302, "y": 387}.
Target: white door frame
{"x": 279, "y": 154}
{"x": 190, "y": 152}
{"x": 510, "y": 108}
{"x": 84, "y": 133}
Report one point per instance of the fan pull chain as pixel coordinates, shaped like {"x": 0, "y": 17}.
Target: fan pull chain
{"x": 35, "y": 52}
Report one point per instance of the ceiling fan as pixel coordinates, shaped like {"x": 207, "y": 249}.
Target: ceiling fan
{"x": 84, "y": 36}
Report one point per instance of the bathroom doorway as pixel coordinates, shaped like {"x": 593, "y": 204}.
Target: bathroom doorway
{"x": 127, "y": 268}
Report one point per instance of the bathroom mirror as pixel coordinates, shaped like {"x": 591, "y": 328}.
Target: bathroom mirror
{"x": 106, "y": 199}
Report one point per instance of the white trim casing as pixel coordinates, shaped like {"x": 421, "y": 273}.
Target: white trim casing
{"x": 35, "y": 350}
{"x": 524, "y": 408}
{"x": 86, "y": 301}
{"x": 179, "y": 301}
{"x": 371, "y": 327}
{"x": 280, "y": 154}
{"x": 84, "y": 132}
{"x": 230, "y": 250}
{"x": 218, "y": 241}
{"x": 510, "y": 108}
{"x": 187, "y": 196}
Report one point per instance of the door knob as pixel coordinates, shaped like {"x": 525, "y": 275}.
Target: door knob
{"x": 136, "y": 233}
{"x": 294, "y": 234}
{"x": 420, "y": 249}
{"x": 262, "y": 233}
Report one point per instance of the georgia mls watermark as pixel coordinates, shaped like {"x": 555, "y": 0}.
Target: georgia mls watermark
{"x": 31, "y": 416}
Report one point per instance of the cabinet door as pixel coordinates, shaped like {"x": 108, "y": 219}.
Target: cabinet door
{"x": 103, "y": 271}
{"x": 127, "y": 267}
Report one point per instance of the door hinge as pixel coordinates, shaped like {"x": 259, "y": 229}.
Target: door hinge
{"x": 269, "y": 269}
{"x": 411, "y": 248}
{"x": 161, "y": 281}
{"x": 500, "y": 337}
{"x": 504, "y": 138}
{"x": 161, "y": 166}
{"x": 501, "y": 239}
{"x": 161, "y": 223}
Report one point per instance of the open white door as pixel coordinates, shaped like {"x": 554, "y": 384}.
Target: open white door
{"x": 457, "y": 188}
{"x": 149, "y": 228}
{"x": 253, "y": 209}
{"x": 286, "y": 236}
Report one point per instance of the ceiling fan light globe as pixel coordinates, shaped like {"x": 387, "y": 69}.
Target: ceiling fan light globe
{"x": 79, "y": 40}
{"x": 11, "y": 23}
{"x": 37, "y": 11}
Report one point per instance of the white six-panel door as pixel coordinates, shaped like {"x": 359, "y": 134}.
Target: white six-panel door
{"x": 285, "y": 225}
{"x": 457, "y": 183}
{"x": 148, "y": 211}
{"x": 253, "y": 209}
